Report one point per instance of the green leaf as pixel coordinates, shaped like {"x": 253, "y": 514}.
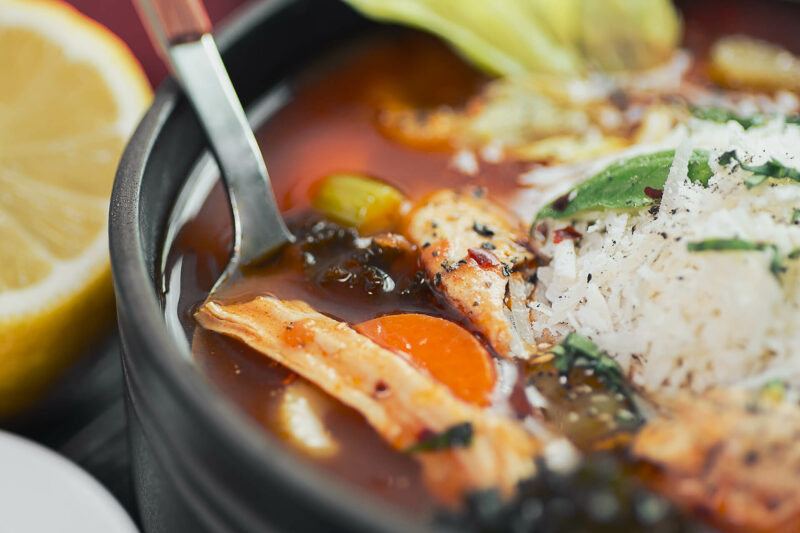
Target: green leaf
{"x": 721, "y": 115}
{"x": 458, "y": 436}
{"x": 760, "y": 173}
{"x": 776, "y": 266}
{"x": 724, "y": 245}
{"x": 569, "y": 37}
{"x": 623, "y": 185}
{"x": 795, "y": 215}
{"x": 578, "y": 351}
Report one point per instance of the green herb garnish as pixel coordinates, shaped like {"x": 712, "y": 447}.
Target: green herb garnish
{"x": 579, "y": 352}
{"x": 759, "y": 173}
{"x": 622, "y": 185}
{"x": 458, "y": 436}
{"x": 795, "y": 215}
{"x": 721, "y": 115}
{"x": 775, "y": 389}
{"x": 740, "y": 245}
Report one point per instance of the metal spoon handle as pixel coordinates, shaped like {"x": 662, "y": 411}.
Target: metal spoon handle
{"x": 181, "y": 30}
{"x": 178, "y": 20}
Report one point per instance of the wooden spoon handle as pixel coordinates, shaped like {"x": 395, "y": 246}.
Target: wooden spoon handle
{"x": 182, "y": 20}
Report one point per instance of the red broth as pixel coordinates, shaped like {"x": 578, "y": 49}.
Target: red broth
{"x": 330, "y": 125}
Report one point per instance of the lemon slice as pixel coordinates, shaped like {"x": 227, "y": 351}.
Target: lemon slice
{"x": 70, "y": 95}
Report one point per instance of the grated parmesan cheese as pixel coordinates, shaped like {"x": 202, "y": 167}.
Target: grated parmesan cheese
{"x": 679, "y": 319}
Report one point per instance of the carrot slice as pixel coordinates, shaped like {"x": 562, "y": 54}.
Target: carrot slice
{"x": 449, "y": 352}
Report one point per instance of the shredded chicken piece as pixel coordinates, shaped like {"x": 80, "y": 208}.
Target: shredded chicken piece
{"x": 728, "y": 458}
{"x": 471, "y": 252}
{"x": 402, "y": 402}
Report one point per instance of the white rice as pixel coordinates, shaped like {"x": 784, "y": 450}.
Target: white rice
{"x": 679, "y": 319}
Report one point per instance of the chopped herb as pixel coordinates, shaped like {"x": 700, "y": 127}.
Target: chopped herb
{"x": 759, "y": 173}
{"x": 578, "y": 351}
{"x": 721, "y": 115}
{"x": 726, "y": 158}
{"x": 775, "y": 389}
{"x": 625, "y": 185}
{"x": 795, "y": 215}
{"x": 482, "y": 229}
{"x": 458, "y": 436}
{"x": 740, "y": 245}
{"x": 724, "y": 245}
{"x": 795, "y": 119}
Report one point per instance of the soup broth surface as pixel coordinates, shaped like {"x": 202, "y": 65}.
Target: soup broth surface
{"x": 331, "y": 123}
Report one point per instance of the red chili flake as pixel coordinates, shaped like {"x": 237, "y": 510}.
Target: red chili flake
{"x": 560, "y": 203}
{"x": 655, "y": 194}
{"x": 563, "y": 234}
{"x": 289, "y": 378}
{"x": 425, "y": 434}
{"x": 484, "y": 258}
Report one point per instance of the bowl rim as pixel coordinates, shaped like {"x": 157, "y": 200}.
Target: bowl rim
{"x": 137, "y": 299}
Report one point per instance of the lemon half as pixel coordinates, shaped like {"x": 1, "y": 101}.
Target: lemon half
{"x": 71, "y": 93}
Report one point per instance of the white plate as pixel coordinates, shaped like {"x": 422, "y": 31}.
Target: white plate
{"x": 42, "y": 492}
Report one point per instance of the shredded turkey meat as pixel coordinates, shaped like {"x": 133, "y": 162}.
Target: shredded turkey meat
{"x": 402, "y": 402}
{"x": 478, "y": 259}
{"x": 729, "y": 457}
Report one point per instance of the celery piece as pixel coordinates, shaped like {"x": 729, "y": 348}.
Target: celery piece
{"x": 358, "y": 201}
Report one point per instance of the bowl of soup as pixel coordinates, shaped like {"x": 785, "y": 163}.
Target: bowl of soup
{"x": 540, "y": 302}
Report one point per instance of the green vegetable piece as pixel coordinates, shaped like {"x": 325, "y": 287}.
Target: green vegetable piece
{"x": 625, "y": 185}
{"x": 578, "y": 351}
{"x": 458, "y": 436}
{"x": 759, "y": 173}
{"x": 795, "y": 215}
{"x": 775, "y": 389}
{"x": 721, "y": 115}
{"x": 567, "y": 37}
{"x": 739, "y": 245}
{"x": 724, "y": 245}
{"x": 358, "y": 201}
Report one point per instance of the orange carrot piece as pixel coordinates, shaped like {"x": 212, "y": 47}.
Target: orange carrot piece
{"x": 450, "y": 353}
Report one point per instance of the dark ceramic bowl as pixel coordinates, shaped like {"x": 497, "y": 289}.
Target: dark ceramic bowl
{"x": 199, "y": 465}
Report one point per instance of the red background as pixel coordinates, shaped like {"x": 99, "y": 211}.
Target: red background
{"x": 120, "y": 16}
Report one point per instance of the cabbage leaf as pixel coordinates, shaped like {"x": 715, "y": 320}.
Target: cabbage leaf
{"x": 567, "y": 37}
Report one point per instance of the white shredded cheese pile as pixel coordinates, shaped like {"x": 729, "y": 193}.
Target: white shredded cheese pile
{"x": 679, "y": 319}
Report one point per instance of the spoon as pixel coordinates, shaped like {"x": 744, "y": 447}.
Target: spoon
{"x": 181, "y": 32}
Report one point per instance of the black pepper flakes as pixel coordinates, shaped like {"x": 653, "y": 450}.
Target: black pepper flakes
{"x": 482, "y": 230}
